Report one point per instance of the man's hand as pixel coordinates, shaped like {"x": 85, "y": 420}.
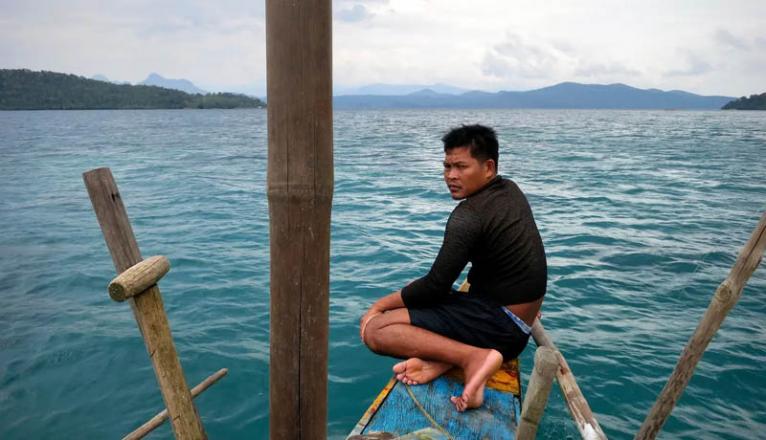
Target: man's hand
{"x": 371, "y": 313}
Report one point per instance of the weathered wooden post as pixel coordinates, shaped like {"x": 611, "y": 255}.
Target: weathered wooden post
{"x": 725, "y": 297}
{"x": 300, "y": 188}
{"x": 147, "y": 306}
{"x": 578, "y": 407}
{"x": 539, "y": 387}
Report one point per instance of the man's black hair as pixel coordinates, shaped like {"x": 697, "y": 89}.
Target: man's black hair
{"x": 481, "y": 140}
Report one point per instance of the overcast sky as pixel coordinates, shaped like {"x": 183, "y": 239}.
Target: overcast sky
{"x": 706, "y": 47}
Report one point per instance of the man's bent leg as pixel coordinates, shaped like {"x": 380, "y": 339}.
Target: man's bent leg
{"x": 412, "y": 371}
{"x": 392, "y": 334}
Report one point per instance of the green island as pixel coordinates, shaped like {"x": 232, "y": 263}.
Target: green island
{"x": 754, "y": 102}
{"x": 23, "y": 89}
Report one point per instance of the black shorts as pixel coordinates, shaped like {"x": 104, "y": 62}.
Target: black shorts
{"x": 472, "y": 320}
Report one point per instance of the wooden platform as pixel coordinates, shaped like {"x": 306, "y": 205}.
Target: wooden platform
{"x": 401, "y": 409}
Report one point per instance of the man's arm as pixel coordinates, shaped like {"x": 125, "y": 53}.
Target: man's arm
{"x": 461, "y": 235}
{"x": 388, "y": 302}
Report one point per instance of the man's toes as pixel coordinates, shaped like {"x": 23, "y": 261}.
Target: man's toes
{"x": 458, "y": 402}
{"x": 455, "y": 401}
{"x": 401, "y": 367}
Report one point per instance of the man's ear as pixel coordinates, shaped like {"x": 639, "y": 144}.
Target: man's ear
{"x": 491, "y": 166}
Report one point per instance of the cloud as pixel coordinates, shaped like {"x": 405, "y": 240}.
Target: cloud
{"x": 488, "y": 45}
{"x": 194, "y": 40}
{"x": 695, "y": 66}
{"x": 522, "y": 62}
{"x": 726, "y": 38}
{"x": 517, "y": 57}
{"x": 353, "y": 14}
{"x": 598, "y": 69}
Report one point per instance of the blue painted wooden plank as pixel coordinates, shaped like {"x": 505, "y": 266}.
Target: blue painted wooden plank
{"x": 400, "y": 414}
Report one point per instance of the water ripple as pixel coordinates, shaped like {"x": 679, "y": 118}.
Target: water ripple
{"x": 642, "y": 214}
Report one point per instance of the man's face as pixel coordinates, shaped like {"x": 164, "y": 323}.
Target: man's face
{"x": 464, "y": 174}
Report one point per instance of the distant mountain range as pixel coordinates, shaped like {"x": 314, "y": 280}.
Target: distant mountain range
{"x": 567, "y": 95}
{"x": 155, "y": 79}
{"x": 183, "y": 85}
{"x": 560, "y": 96}
{"x": 398, "y": 89}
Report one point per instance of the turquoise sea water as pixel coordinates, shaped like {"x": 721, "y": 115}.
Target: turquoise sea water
{"x": 642, "y": 214}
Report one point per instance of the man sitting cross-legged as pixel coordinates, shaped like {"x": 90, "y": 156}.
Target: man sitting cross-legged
{"x": 434, "y": 327}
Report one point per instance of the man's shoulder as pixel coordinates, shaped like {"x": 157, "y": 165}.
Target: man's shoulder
{"x": 464, "y": 209}
{"x": 504, "y": 198}
{"x": 509, "y": 188}
{"x": 466, "y": 215}
{"x": 509, "y": 184}
{"x": 502, "y": 187}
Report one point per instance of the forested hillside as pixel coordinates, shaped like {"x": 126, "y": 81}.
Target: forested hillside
{"x": 754, "y": 102}
{"x": 22, "y": 89}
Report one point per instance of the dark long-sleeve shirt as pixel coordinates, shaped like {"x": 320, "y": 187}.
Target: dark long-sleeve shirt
{"x": 494, "y": 230}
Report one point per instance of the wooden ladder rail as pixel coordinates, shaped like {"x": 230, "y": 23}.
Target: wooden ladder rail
{"x": 147, "y": 306}
{"x": 160, "y": 418}
{"x": 725, "y": 297}
{"x": 581, "y": 413}
{"x": 540, "y": 383}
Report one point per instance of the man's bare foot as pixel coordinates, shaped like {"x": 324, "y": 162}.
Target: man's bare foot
{"x": 416, "y": 371}
{"x": 478, "y": 371}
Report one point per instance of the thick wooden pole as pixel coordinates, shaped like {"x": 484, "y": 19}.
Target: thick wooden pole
{"x": 160, "y": 418}
{"x": 725, "y": 297}
{"x": 578, "y": 407}
{"x": 147, "y": 307}
{"x": 539, "y": 387}
{"x": 300, "y": 188}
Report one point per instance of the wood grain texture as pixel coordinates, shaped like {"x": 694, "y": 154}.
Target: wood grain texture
{"x": 300, "y": 188}
{"x": 579, "y": 409}
{"x": 138, "y": 278}
{"x": 147, "y": 308}
{"x": 725, "y": 297}
{"x": 540, "y": 383}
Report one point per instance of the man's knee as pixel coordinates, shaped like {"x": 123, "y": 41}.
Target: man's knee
{"x": 372, "y": 342}
{"x": 383, "y": 330}
{"x": 373, "y": 337}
